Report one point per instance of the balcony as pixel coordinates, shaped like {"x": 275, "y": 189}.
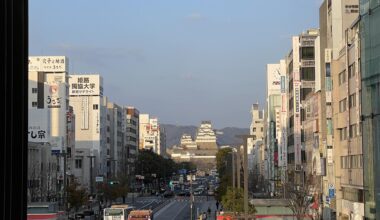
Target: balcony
{"x": 307, "y": 63}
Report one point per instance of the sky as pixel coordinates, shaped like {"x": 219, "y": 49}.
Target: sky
{"x": 181, "y": 61}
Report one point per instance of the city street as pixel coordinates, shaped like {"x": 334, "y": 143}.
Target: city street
{"x": 179, "y": 208}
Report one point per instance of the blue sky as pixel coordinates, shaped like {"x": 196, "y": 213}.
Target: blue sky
{"x": 182, "y": 61}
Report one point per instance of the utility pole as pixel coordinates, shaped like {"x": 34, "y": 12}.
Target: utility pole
{"x": 233, "y": 169}
{"x": 91, "y": 177}
{"x": 245, "y": 167}
{"x": 64, "y": 154}
{"x": 238, "y": 167}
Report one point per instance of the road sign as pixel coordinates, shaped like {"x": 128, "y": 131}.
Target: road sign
{"x": 331, "y": 193}
{"x": 99, "y": 179}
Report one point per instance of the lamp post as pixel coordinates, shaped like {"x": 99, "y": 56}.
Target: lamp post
{"x": 91, "y": 177}
{"x": 245, "y": 167}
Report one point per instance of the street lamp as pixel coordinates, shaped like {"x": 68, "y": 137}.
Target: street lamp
{"x": 245, "y": 165}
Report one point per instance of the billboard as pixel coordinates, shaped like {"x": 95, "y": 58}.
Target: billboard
{"x": 55, "y": 95}
{"x": 297, "y": 119}
{"x": 48, "y": 64}
{"x": 38, "y": 125}
{"x": 85, "y": 85}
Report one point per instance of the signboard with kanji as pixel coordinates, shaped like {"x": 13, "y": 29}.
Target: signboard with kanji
{"x": 48, "y": 64}
{"x": 84, "y": 85}
{"x": 38, "y": 125}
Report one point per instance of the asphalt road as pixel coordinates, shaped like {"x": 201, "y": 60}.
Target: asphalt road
{"x": 179, "y": 208}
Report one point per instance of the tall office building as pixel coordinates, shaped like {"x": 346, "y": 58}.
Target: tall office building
{"x": 335, "y": 17}
{"x": 370, "y": 78}
{"x": 131, "y": 138}
{"x": 275, "y": 74}
{"x": 89, "y": 106}
{"x": 301, "y": 75}
{"x": 115, "y": 137}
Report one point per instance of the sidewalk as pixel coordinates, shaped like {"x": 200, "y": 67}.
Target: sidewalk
{"x": 204, "y": 207}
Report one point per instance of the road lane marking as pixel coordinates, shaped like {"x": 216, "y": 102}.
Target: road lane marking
{"x": 164, "y": 209}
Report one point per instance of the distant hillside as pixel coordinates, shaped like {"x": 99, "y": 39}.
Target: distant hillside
{"x": 225, "y": 136}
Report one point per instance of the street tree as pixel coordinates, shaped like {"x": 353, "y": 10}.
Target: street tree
{"x": 301, "y": 197}
{"x": 224, "y": 171}
{"x": 77, "y": 196}
{"x": 233, "y": 201}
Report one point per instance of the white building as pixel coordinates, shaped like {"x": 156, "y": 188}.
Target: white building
{"x": 89, "y": 105}
{"x": 48, "y": 108}
{"x": 150, "y": 137}
{"x": 205, "y": 137}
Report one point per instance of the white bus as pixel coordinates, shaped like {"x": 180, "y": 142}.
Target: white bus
{"x": 117, "y": 212}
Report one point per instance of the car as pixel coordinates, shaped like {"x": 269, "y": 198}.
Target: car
{"x": 210, "y": 192}
{"x": 168, "y": 194}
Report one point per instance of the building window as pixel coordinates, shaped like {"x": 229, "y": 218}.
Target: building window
{"x": 34, "y": 90}
{"x": 353, "y": 130}
{"x": 307, "y": 53}
{"x": 342, "y": 77}
{"x": 78, "y": 163}
{"x": 254, "y": 129}
{"x": 108, "y": 140}
{"x": 34, "y": 104}
{"x": 254, "y": 137}
{"x": 343, "y": 105}
{"x": 352, "y": 100}
{"x": 351, "y": 71}
{"x": 95, "y": 106}
{"x": 308, "y": 74}
{"x": 262, "y": 129}
{"x": 343, "y": 133}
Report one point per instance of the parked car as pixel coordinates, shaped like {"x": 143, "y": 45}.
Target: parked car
{"x": 168, "y": 194}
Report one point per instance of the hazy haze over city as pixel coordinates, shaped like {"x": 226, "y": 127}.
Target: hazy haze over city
{"x": 182, "y": 61}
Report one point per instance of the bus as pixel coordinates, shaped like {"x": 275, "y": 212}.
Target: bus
{"x": 48, "y": 211}
{"x": 141, "y": 215}
{"x": 119, "y": 212}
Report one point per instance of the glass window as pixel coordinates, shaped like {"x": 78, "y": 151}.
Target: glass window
{"x": 95, "y": 106}
{"x": 34, "y": 104}
{"x": 307, "y": 53}
{"x": 34, "y": 90}
{"x": 78, "y": 163}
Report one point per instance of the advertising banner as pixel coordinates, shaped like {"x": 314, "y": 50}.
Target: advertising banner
{"x": 85, "y": 85}
{"x": 48, "y": 64}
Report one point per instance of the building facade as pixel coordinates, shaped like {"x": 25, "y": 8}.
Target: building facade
{"x": 370, "y": 78}
{"x": 90, "y": 108}
{"x": 301, "y": 76}
{"x": 150, "y": 137}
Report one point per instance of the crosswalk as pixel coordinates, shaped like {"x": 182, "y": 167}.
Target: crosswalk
{"x": 187, "y": 198}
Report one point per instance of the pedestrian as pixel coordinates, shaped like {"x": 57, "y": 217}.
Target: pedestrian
{"x": 209, "y": 211}
{"x": 217, "y": 205}
{"x": 204, "y": 216}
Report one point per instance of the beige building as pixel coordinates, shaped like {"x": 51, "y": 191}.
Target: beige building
{"x": 347, "y": 153}
{"x": 335, "y": 17}
{"x": 301, "y": 84}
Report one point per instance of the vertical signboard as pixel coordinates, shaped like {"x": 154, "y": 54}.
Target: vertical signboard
{"x": 39, "y": 125}
{"x": 297, "y": 120}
